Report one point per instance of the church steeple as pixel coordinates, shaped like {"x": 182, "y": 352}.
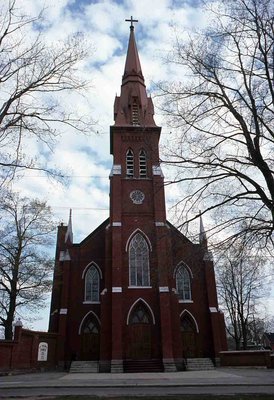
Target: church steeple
{"x": 133, "y": 107}
{"x": 133, "y": 70}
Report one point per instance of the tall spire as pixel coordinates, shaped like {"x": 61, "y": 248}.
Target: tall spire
{"x": 69, "y": 233}
{"x": 202, "y": 234}
{"x": 133, "y": 65}
{"x": 133, "y": 107}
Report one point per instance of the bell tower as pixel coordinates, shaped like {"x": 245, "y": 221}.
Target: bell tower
{"x": 137, "y": 207}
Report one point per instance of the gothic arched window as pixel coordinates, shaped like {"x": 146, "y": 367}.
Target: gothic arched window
{"x": 187, "y": 324}
{"x": 139, "y": 315}
{"x": 92, "y": 284}
{"x": 130, "y": 163}
{"x": 183, "y": 283}
{"x": 138, "y": 261}
{"x": 142, "y": 164}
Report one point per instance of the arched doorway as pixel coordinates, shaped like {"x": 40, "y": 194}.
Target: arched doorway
{"x": 90, "y": 338}
{"x": 188, "y": 336}
{"x": 139, "y": 333}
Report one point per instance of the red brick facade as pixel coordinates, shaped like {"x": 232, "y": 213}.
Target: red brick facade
{"x": 135, "y": 288}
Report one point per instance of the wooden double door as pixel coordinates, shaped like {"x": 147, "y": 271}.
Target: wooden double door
{"x": 139, "y": 337}
{"x": 139, "y": 345}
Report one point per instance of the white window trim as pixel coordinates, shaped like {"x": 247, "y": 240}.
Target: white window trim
{"x": 142, "y": 233}
{"x": 85, "y": 295}
{"x": 88, "y": 266}
{"x": 185, "y": 301}
{"x": 176, "y": 270}
{"x": 139, "y": 287}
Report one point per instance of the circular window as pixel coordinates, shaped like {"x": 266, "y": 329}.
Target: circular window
{"x": 137, "y": 196}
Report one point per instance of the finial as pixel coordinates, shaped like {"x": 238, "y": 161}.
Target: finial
{"x": 131, "y": 20}
{"x": 18, "y": 322}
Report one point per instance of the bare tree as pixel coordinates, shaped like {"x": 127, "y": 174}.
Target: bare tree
{"x": 222, "y": 111}
{"x": 25, "y": 269}
{"x": 33, "y": 74}
{"x": 242, "y": 283}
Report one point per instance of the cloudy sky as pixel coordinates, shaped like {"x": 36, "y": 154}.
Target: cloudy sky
{"x": 86, "y": 160}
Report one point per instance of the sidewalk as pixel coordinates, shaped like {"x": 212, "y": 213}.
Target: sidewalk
{"x": 217, "y": 377}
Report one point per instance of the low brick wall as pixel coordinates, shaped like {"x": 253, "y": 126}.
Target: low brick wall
{"x": 22, "y": 352}
{"x": 246, "y": 358}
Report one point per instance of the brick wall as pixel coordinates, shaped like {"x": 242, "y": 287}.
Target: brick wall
{"x": 246, "y": 358}
{"x": 22, "y": 352}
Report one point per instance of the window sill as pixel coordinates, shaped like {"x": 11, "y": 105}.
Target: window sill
{"x": 139, "y": 287}
{"x": 91, "y": 302}
{"x": 185, "y": 301}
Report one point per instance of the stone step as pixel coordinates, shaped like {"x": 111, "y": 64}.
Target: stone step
{"x": 199, "y": 364}
{"x": 153, "y": 365}
{"x": 84, "y": 367}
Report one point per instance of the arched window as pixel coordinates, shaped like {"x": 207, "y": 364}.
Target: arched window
{"x": 130, "y": 163}
{"x": 91, "y": 327}
{"x": 183, "y": 283}
{"x": 92, "y": 284}
{"x": 187, "y": 324}
{"x": 139, "y": 315}
{"x": 142, "y": 164}
{"x": 138, "y": 261}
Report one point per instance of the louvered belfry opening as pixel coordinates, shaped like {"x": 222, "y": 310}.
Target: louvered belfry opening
{"x": 142, "y": 164}
{"x": 130, "y": 164}
{"x": 135, "y": 114}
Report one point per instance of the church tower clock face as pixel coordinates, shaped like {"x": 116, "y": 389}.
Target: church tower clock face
{"x": 137, "y": 196}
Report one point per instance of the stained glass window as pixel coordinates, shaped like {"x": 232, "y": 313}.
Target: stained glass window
{"x": 90, "y": 327}
{"x": 139, "y": 316}
{"x": 183, "y": 283}
{"x": 138, "y": 261}
{"x": 92, "y": 285}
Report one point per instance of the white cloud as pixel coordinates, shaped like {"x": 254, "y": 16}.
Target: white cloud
{"x": 86, "y": 158}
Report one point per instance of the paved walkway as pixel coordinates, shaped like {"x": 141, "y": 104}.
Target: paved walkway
{"x": 224, "y": 380}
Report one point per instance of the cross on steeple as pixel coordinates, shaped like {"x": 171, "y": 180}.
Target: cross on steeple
{"x": 131, "y": 20}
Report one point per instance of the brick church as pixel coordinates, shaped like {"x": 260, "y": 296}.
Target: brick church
{"x": 135, "y": 294}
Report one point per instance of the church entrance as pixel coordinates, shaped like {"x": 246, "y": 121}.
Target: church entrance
{"x": 139, "y": 334}
{"x": 90, "y": 339}
{"x": 188, "y": 337}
